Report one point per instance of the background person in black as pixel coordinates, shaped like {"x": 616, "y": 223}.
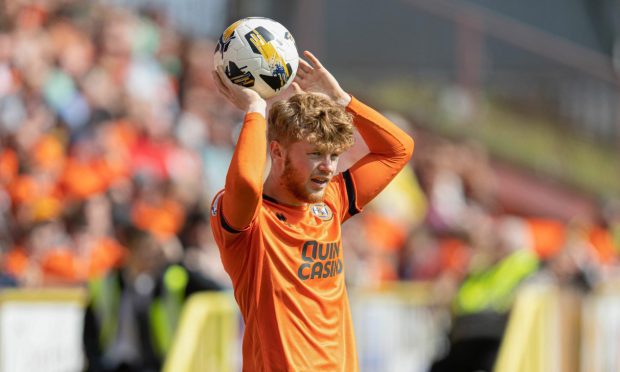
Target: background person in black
{"x": 133, "y": 312}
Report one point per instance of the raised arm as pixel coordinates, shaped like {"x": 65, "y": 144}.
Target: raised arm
{"x": 390, "y": 150}
{"x": 390, "y": 147}
{"x": 244, "y": 180}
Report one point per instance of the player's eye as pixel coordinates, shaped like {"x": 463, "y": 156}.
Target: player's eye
{"x": 334, "y": 157}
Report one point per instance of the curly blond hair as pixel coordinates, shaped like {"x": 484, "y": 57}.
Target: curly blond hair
{"x": 314, "y": 118}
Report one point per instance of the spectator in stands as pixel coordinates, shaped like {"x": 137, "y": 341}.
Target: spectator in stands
{"x": 88, "y": 100}
{"x": 201, "y": 252}
{"x": 6, "y": 279}
{"x": 133, "y": 312}
{"x": 603, "y": 236}
{"x": 483, "y": 300}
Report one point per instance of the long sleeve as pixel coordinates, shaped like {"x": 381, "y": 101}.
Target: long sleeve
{"x": 390, "y": 150}
{"x": 244, "y": 180}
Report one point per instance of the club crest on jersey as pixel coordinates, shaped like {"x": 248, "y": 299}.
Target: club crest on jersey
{"x": 322, "y": 211}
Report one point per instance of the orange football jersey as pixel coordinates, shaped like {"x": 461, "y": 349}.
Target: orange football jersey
{"x": 287, "y": 269}
{"x": 287, "y": 264}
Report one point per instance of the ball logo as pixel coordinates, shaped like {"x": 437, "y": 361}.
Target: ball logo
{"x": 322, "y": 211}
{"x": 259, "y": 39}
{"x": 227, "y": 36}
{"x": 238, "y": 75}
{"x": 289, "y": 37}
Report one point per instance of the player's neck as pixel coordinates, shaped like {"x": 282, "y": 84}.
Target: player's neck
{"x": 274, "y": 188}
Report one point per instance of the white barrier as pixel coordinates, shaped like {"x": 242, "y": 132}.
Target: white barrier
{"x": 601, "y": 331}
{"x": 397, "y": 328}
{"x": 41, "y": 330}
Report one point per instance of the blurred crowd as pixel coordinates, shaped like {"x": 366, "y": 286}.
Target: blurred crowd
{"x": 109, "y": 121}
{"x": 113, "y": 141}
{"x": 441, "y": 221}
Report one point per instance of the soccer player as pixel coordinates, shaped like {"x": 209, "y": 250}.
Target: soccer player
{"x": 280, "y": 240}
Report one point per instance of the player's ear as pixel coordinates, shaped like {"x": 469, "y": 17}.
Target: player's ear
{"x": 276, "y": 150}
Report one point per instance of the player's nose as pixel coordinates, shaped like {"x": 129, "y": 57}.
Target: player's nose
{"x": 328, "y": 165}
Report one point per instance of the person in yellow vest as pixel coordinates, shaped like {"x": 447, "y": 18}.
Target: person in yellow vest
{"x": 483, "y": 300}
{"x": 133, "y": 312}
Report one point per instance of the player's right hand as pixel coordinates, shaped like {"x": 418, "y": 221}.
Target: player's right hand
{"x": 243, "y": 98}
{"x": 313, "y": 77}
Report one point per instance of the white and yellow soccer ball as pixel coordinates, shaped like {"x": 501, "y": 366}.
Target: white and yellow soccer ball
{"x": 258, "y": 53}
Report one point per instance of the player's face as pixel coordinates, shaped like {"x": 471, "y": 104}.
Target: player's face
{"x": 307, "y": 171}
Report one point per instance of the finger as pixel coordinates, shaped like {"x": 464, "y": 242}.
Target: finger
{"x": 313, "y": 60}
{"x": 218, "y": 78}
{"x": 296, "y": 88}
{"x": 301, "y": 75}
{"x": 299, "y": 81}
{"x": 304, "y": 66}
{"x": 229, "y": 87}
{"x": 218, "y": 83}
{"x": 304, "y": 70}
{"x": 222, "y": 88}
{"x": 223, "y": 78}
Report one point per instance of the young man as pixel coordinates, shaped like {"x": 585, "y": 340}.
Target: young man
{"x": 280, "y": 241}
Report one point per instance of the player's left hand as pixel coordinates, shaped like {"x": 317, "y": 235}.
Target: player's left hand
{"x": 243, "y": 98}
{"x": 313, "y": 77}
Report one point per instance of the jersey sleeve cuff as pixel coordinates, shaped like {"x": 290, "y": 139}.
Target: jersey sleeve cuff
{"x": 355, "y": 105}
{"x": 218, "y": 212}
{"x": 254, "y": 116}
{"x": 352, "y": 208}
